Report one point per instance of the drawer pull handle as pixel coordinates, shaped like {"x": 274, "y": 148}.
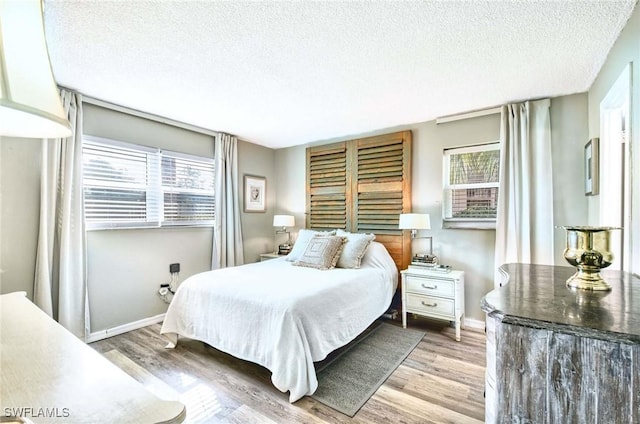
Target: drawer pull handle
{"x": 429, "y": 287}
{"x": 432, "y": 305}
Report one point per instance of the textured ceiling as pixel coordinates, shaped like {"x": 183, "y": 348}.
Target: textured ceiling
{"x": 287, "y": 73}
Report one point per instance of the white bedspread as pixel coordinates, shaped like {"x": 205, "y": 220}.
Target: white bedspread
{"x": 281, "y": 316}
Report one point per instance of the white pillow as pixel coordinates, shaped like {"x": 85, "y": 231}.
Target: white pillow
{"x": 302, "y": 241}
{"x": 354, "y": 249}
{"x": 378, "y": 257}
{"x": 322, "y": 252}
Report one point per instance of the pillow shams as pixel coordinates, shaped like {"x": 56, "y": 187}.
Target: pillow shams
{"x": 302, "y": 241}
{"x": 354, "y": 249}
{"x": 322, "y": 252}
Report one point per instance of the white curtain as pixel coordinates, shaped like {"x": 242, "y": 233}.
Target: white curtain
{"x": 60, "y": 286}
{"x": 227, "y": 237}
{"x": 524, "y": 231}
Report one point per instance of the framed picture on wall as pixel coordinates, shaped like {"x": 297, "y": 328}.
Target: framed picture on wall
{"x": 591, "y": 167}
{"x": 255, "y": 193}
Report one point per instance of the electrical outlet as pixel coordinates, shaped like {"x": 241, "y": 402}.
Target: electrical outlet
{"x": 174, "y": 268}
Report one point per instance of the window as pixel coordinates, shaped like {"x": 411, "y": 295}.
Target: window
{"x": 471, "y": 181}
{"x": 131, "y": 186}
{"x": 187, "y": 189}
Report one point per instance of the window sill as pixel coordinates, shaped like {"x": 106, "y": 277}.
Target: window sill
{"x": 470, "y": 224}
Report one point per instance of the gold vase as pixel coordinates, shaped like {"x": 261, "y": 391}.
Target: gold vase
{"x": 588, "y": 249}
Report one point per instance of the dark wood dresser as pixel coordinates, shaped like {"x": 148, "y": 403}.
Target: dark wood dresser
{"x": 560, "y": 355}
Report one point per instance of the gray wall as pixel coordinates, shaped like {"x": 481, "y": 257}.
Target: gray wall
{"x": 625, "y": 51}
{"x": 468, "y": 250}
{"x": 257, "y": 227}
{"x": 290, "y": 166}
{"x": 125, "y": 267}
{"x": 569, "y": 129}
{"x": 20, "y": 161}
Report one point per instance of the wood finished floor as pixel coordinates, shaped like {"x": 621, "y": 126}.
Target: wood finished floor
{"x": 441, "y": 381}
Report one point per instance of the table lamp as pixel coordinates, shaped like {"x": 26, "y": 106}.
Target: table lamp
{"x": 415, "y": 222}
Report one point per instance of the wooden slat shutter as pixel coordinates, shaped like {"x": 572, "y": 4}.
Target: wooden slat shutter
{"x": 328, "y": 188}
{"x": 363, "y": 185}
{"x": 381, "y": 190}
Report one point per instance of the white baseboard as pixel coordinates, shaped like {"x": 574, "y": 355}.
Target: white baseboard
{"x": 110, "y": 332}
{"x": 473, "y": 323}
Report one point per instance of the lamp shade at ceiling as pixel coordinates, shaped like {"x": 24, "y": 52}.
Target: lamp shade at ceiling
{"x": 283, "y": 221}
{"x": 414, "y": 221}
{"x": 29, "y": 101}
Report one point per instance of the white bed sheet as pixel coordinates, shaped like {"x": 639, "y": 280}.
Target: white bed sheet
{"x": 282, "y": 316}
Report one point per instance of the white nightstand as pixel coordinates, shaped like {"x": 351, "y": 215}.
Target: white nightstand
{"x": 268, "y": 256}
{"x": 433, "y": 294}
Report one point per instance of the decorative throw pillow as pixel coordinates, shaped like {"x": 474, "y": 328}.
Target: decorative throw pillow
{"x": 300, "y": 245}
{"x": 354, "y": 249}
{"x": 322, "y": 252}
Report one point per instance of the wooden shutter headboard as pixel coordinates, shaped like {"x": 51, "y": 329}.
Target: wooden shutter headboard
{"x": 363, "y": 185}
{"x": 327, "y": 187}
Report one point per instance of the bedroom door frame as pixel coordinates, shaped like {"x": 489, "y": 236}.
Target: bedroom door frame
{"x": 615, "y": 168}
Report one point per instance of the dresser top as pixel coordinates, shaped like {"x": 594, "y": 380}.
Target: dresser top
{"x": 45, "y": 367}
{"x": 537, "y": 296}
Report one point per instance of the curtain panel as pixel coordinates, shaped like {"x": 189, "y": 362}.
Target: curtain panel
{"x": 60, "y": 286}
{"x": 524, "y": 227}
{"x": 227, "y": 248}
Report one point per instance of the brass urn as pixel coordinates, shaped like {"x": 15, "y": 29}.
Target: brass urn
{"x": 588, "y": 249}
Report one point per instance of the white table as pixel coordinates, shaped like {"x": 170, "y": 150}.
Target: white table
{"x": 48, "y": 375}
{"x": 269, "y": 256}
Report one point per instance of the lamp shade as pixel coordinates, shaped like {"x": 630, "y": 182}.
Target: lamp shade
{"x": 414, "y": 221}
{"x": 283, "y": 221}
{"x": 29, "y": 101}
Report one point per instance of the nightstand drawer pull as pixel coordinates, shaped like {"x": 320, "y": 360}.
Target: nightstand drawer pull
{"x": 432, "y": 305}
{"x": 429, "y": 287}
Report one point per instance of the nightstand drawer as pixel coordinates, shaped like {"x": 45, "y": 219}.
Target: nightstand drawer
{"x": 430, "y": 287}
{"x": 428, "y": 305}
{"x": 269, "y": 256}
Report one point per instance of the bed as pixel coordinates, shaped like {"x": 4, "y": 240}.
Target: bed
{"x": 282, "y": 316}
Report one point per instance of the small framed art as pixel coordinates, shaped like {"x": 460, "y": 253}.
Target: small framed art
{"x": 255, "y": 193}
{"x": 591, "y": 167}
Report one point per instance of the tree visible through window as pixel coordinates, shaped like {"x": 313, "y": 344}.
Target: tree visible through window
{"x": 471, "y": 181}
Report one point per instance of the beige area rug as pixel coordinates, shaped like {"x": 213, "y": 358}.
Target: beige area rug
{"x": 348, "y": 380}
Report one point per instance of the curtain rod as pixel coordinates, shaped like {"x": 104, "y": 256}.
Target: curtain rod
{"x": 467, "y": 115}
{"x": 145, "y": 115}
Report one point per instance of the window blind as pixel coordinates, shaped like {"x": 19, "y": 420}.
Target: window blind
{"x": 131, "y": 186}
{"x": 187, "y": 187}
{"x": 116, "y": 179}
